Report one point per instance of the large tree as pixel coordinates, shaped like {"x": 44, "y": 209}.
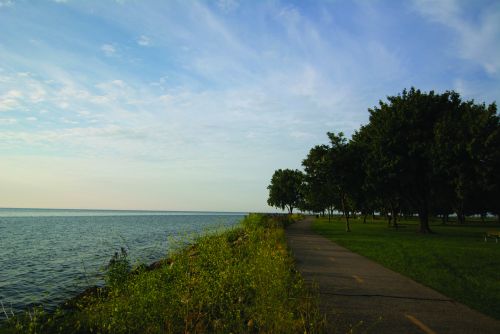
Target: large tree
{"x": 466, "y": 158}
{"x": 320, "y": 192}
{"x": 421, "y": 152}
{"x": 285, "y": 189}
{"x": 343, "y": 174}
{"x": 331, "y": 176}
{"x": 364, "y": 195}
{"x": 402, "y": 132}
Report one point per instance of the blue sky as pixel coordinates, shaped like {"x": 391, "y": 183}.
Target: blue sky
{"x": 192, "y": 105}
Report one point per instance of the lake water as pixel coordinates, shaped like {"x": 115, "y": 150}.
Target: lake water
{"x": 50, "y": 255}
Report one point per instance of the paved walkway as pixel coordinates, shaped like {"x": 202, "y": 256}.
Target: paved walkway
{"x": 358, "y": 293}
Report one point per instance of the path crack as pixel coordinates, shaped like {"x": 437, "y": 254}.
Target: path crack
{"x": 387, "y": 296}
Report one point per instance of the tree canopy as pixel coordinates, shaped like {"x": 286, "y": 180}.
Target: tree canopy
{"x": 421, "y": 153}
{"x": 285, "y": 190}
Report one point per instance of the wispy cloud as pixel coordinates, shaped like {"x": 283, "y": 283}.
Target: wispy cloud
{"x": 144, "y": 41}
{"x": 479, "y": 37}
{"x": 10, "y": 100}
{"x": 108, "y": 49}
{"x": 218, "y": 92}
{"x": 6, "y": 3}
{"x": 8, "y": 121}
{"x": 227, "y": 5}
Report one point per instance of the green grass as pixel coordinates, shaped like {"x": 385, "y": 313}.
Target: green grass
{"x": 454, "y": 260}
{"x": 242, "y": 281}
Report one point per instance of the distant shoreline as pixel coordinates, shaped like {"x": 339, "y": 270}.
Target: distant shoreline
{"x": 128, "y": 210}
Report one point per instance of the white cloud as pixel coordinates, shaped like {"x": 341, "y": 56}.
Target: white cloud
{"x": 479, "y": 39}
{"x": 13, "y": 94}
{"x": 290, "y": 15}
{"x": 63, "y": 105}
{"x": 6, "y": 3}
{"x": 144, "y": 41}
{"x": 35, "y": 42}
{"x": 231, "y": 90}
{"x": 108, "y": 49}
{"x": 10, "y": 100}
{"x": 118, "y": 83}
{"x": 8, "y": 121}
{"x": 37, "y": 94}
{"x": 31, "y": 119}
{"x": 227, "y": 5}
{"x": 307, "y": 83}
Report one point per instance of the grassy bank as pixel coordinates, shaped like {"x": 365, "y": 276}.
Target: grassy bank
{"x": 454, "y": 260}
{"x": 241, "y": 281}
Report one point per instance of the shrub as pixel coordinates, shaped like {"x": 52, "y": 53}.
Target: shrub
{"x": 118, "y": 269}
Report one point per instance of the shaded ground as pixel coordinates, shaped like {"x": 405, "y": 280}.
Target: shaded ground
{"x": 358, "y": 293}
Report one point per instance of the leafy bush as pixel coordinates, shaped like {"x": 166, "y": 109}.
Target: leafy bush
{"x": 118, "y": 270}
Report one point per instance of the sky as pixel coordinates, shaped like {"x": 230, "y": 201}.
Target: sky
{"x": 192, "y": 105}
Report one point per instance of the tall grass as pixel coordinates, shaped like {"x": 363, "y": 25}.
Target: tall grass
{"x": 241, "y": 281}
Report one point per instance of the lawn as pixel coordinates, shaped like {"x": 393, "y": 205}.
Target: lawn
{"x": 454, "y": 260}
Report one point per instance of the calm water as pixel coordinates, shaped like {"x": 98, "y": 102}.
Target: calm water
{"x": 49, "y": 255}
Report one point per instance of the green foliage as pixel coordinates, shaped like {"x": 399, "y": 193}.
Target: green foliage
{"x": 240, "y": 281}
{"x": 421, "y": 152}
{"x": 332, "y": 176}
{"x": 454, "y": 260}
{"x": 285, "y": 189}
{"x": 118, "y": 270}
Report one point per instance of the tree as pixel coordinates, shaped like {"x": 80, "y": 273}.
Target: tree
{"x": 320, "y": 192}
{"x": 382, "y": 182}
{"x": 466, "y": 155}
{"x": 343, "y": 174}
{"x": 422, "y": 153}
{"x": 403, "y": 136}
{"x": 331, "y": 176}
{"x": 285, "y": 189}
{"x": 363, "y": 192}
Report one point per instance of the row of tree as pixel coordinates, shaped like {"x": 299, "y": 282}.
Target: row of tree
{"x": 421, "y": 153}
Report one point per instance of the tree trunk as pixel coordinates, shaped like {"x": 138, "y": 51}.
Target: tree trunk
{"x": 290, "y": 209}
{"x": 364, "y": 218}
{"x": 347, "y": 225}
{"x": 346, "y": 214}
{"x": 461, "y": 217}
{"x": 389, "y": 219}
{"x": 395, "y": 219}
{"x": 460, "y": 214}
{"x": 423, "y": 216}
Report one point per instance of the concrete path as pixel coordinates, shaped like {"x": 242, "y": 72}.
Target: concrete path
{"x": 358, "y": 293}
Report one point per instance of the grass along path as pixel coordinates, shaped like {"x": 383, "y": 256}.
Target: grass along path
{"x": 241, "y": 281}
{"x": 454, "y": 261}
